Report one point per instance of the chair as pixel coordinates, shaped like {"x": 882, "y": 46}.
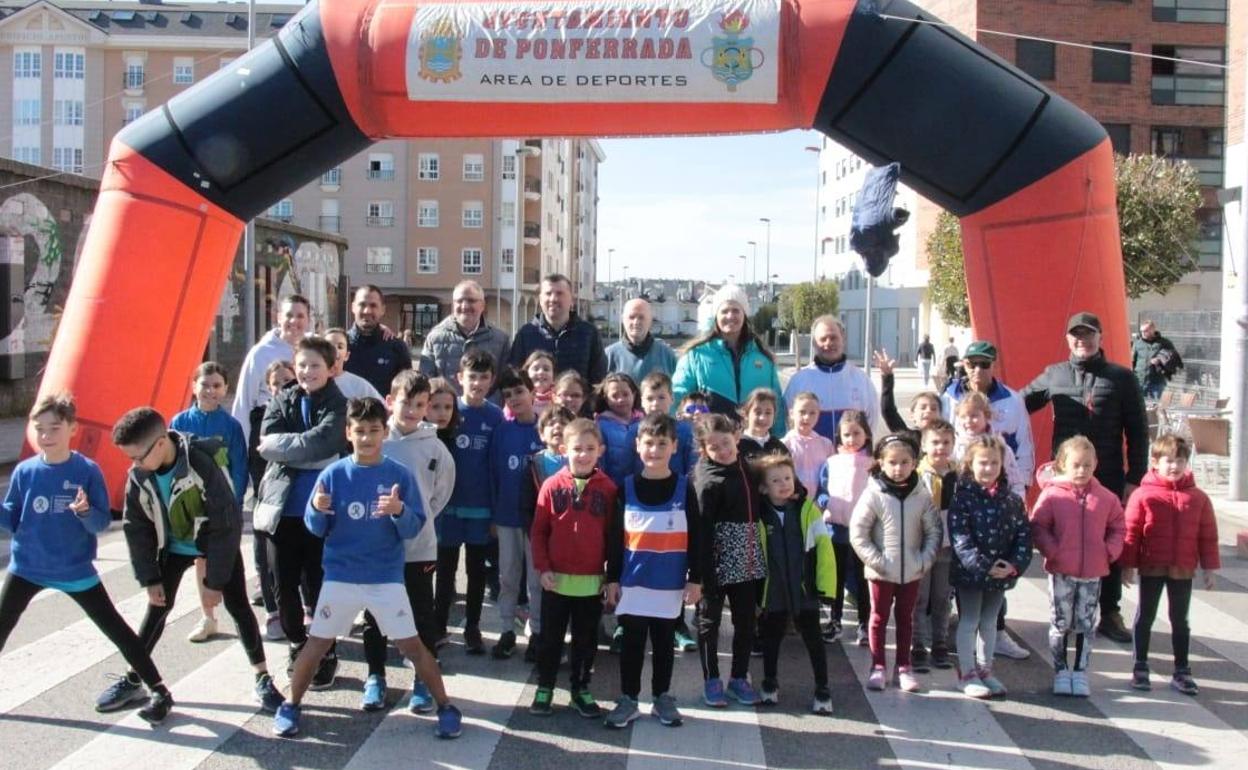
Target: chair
{"x": 1211, "y": 439}
{"x": 1221, "y": 403}
{"x": 1167, "y": 398}
{"x": 1188, "y": 399}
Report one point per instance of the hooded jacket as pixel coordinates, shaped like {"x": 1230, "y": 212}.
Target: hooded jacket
{"x": 801, "y": 565}
{"x": 712, "y": 368}
{"x": 1079, "y": 531}
{"x": 985, "y": 526}
{"x": 895, "y": 529}
{"x": 728, "y": 501}
{"x": 428, "y": 459}
{"x": 1170, "y": 524}
{"x": 252, "y": 391}
{"x": 810, "y": 454}
{"x": 202, "y": 507}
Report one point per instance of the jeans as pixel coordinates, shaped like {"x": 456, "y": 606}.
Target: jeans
{"x": 772, "y": 626}
{"x": 662, "y": 633}
{"x": 925, "y": 369}
{"x": 977, "y": 614}
{"x": 710, "y": 612}
{"x": 883, "y": 594}
{"x": 1179, "y": 596}
{"x": 931, "y": 610}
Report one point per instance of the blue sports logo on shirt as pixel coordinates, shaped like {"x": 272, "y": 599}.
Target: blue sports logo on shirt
{"x": 40, "y": 504}
{"x": 356, "y": 510}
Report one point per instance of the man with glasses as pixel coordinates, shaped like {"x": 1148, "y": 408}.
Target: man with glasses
{"x": 464, "y": 329}
{"x": 1102, "y": 401}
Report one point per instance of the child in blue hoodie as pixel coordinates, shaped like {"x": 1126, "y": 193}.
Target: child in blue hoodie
{"x": 617, "y": 410}
{"x": 514, "y": 441}
{"x": 365, "y": 506}
{"x": 55, "y": 506}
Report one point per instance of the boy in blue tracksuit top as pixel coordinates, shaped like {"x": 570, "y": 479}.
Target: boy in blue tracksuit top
{"x": 466, "y": 519}
{"x": 55, "y": 506}
{"x": 514, "y": 441}
{"x": 364, "y": 506}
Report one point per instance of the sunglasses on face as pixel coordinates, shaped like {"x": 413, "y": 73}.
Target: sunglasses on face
{"x": 697, "y": 409}
{"x": 979, "y": 364}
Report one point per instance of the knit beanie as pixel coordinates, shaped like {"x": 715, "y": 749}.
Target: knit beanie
{"x": 730, "y": 292}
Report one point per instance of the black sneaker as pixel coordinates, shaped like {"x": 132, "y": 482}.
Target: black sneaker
{"x": 1182, "y": 682}
{"x": 506, "y": 645}
{"x": 832, "y": 631}
{"x": 585, "y": 704}
{"x": 617, "y": 641}
{"x": 120, "y": 694}
{"x": 157, "y": 708}
{"x": 473, "y": 644}
{"x": 267, "y": 694}
{"x": 919, "y": 660}
{"x": 530, "y": 649}
{"x": 292, "y": 654}
{"x": 940, "y": 657}
{"x": 326, "y": 672}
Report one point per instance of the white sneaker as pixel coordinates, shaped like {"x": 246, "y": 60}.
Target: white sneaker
{"x": 204, "y": 630}
{"x": 1062, "y": 682}
{"x": 1008, "y": 648}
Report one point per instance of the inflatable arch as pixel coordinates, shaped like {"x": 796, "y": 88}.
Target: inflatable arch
{"x": 1030, "y": 175}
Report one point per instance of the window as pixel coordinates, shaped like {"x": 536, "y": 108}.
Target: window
{"x": 379, "y": 259}
{"x": 1036, "y": 58}
{"x": 332, "y": 178}
{"x": 1109, "y": 66}
{"x": 380, "y": 214}
{"x": 1191, "y": 11}
{"x": 426, "y": 213}
{"x": 509, "y": 167}
{"x": 27, "y": 64}
{"x": 330, "y": 220}
{"x": 67, "y": 112}
{"x": 67, "y": 159}
{"x": 380, "y": 165}
{"x": 509, "y": 214}
{"x": 183, "y": 71}
{"x": 474, "y": 214}
{"x": 472, "y": 261}
{"x": 474, "y": 168}
{"x": 1199, "y": 147}
{"x": 427, "y": 259}
{"x": 1119, "y": 136}
{"x": 26, "y": 112}
{"x": 429, "y": 165}
{"x": 28, "y": 154}
{"x": 135, "y": 75}
{"x": 1209, "y": 241}
{"x": 134, "y": 111}
{"x": 507, "y": 261}
{"x": 1189, "y": 81}
{"x": 69, "y": 66}
{"x": 283, "y": 210}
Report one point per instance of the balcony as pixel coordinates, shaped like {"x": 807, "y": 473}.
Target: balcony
{"x": 379, "y": 221}
{"x": 532, "y": 188}
{"x": 133, "y": 80}
{"x": 532, "y": 275}
{"x": 379, "y": 267}
{"x": 330, "y": 224}
{"x": 1200, "y": 90}
{"x": 384, "y": 174}
{"x": 532, "y": 233}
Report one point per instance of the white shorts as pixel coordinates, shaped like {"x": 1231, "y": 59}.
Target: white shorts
{"x": 339, "y": 603}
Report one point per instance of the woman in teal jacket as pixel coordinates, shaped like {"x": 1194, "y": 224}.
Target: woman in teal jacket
{"x": 729, "y": 362}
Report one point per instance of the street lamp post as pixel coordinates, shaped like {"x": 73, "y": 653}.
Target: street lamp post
{"x": 623, "y": 294}
{"x": 818, "y": 187}
{"x": 517, "y": 263}
{"x": 744, "y": 274}
{"x": 767, "y": 222}
{"x": 610, "y": 252}
{"x": 754, "y": 272}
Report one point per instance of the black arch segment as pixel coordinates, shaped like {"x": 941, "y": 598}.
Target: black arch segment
{"x": 260, "y": 128}
{"x": 967, "y": 127}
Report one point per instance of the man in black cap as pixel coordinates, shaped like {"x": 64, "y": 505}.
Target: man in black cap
{"x": 1102, "y": 401}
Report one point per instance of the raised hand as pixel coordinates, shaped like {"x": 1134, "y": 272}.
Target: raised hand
{"x": 883, "y": 362}
{"x": 80, "y": 505}
{"x": 390, "y": 504}
{"x": 321, "y": 500}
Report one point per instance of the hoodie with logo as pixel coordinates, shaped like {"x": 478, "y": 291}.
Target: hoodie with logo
{"x": 426, "y": 456}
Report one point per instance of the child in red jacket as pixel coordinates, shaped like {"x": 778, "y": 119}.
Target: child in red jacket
{"x": 1077, "y": 525}
{"x": 569, "y": 541}
{"x": 1171, "y": 530}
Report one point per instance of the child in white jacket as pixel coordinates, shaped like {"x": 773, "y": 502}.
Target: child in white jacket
{"x": 973, "y": 418}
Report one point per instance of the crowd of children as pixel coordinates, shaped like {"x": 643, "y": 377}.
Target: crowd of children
{"x": 614, "y": 500}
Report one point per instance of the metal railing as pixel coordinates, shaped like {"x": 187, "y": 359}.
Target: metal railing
{"x": 379, "y": 221}
{"x": 381, "y": 173}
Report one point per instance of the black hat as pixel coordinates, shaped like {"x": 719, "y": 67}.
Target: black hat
{"x": 1084, "y": 319}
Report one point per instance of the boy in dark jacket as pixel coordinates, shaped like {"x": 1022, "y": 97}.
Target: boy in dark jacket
{"x": 180, "y": 506}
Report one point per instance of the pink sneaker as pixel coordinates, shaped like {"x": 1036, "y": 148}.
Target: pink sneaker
{"x": 907, "y": 681}
{"x": 876, "y": 680}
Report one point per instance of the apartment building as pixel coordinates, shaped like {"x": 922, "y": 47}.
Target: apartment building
{"x": 419, "y": 215}
{"x": 1174, "y": 109}
{"x": 1236, "y": 188}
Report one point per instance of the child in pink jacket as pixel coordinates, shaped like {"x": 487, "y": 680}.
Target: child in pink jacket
{"x": 841, "y": 482}
{"x": 1078, "y": 526}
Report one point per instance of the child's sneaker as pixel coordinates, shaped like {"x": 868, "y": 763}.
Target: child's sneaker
{"x": 450, "y": 722}
{"x": 876, "y": 679}
{"x": 1183, "y": 682}
{"x": 1140, "y": 680}
{"x": 994, "y": 685}
{"x": 530, "y": 649}
{"x": 374, "y": 693}
{"x": 157, "y": 707}
{"x": 326, "y": 672}
{"x": 972, "y": 687}
{"x": 1008, "y": 648}
{"x": 617, "y": 641}
{"x": 1079, "y": 685}
{"x": 906, "y": 679}
{"x": 864, "y": 637}
{"x": 664, "y": 709}
{"x": 204, "y": 630}
{"x": 267, "y": 694}
{"x": 120, "y": 693}
{"x": 473, "y": 643}
{"x": 625, "y": 711}
{"x": 822, "y": 704}
{"x": 585, "y": 705}
{"x": 541, "y": 705}
{"x": 505, "y": 647}
{"x": 685, "y": 642}
{"x": 286, "y": 721}
{"x": 273, "y": 628}
{"x": 832, "y": 631}
{"x": 743, "y": 691}
{"x": 919, "y": 659}
{"x": 1062, "y": 682}
{"x": 940, "y": 657}
{"x": 421, "y": 701}
{"x": 769, "y": 695}
{"x": 713, "y": 694}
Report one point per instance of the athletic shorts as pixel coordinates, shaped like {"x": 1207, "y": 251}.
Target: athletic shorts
{"x": 339, "y": 603}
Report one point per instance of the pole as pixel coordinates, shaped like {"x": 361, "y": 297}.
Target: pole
{"x": 818, "y": 187}
{"x": 767, "y": 221}
{"x": 754, "y": 272}
{"x": 619, "y": 329}
{"x": 249, "y": 232}
{"x": 1238, "y": 375}
{"x": 518, "y": 260}
{"x": 866, "y": 325}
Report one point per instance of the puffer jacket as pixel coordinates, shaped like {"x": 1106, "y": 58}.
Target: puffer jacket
{"x": 712, "y": 369}
{"x": 446, "y": 343}
{"x": 1078, "y": 531}
{"x": 1170, "y": 525}
{"x": 801, "y": 565}
{"x": 895, "y": 529}
{"x": 985, "y": 526}
{"x": 1100, "y": 400}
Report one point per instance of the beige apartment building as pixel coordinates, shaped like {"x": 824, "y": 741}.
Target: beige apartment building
{"x": 419, "y": 215}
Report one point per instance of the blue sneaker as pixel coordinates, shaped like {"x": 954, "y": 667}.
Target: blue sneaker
{"x": 450, "y": 722}
{"x": 286, "y": 721}
{"x": 374, "y": 693}
{"x": 713, "y": 694}
{"x": 422, "y": 701}
{"x": 743, "y": 692}
{"x": 267, "y": 694}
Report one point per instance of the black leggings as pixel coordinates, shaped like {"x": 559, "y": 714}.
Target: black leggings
{"x": 1111, "y": 590}
{"x": 17, "y": 592}
{"x": 448, "y": 565}
{"x": 709, "y": 613}
{"x": 559, "y": 612}
{"x": 1179, "y": 597}
{"x": 296, "y": 563}
{"x": 418, "y": 579}
{"x": 662, "y": 632}
{"x": 847, "y": 560}
{"x": 233, "y": 595}
{"x": 772, "y": 626}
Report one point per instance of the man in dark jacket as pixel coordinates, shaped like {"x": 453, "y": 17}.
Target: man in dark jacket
{"x": 1102, "y": 401}
{"x": 574, "y": 343}
{"x": 1154, "y": 359}
{"x": 373, "y": 356}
